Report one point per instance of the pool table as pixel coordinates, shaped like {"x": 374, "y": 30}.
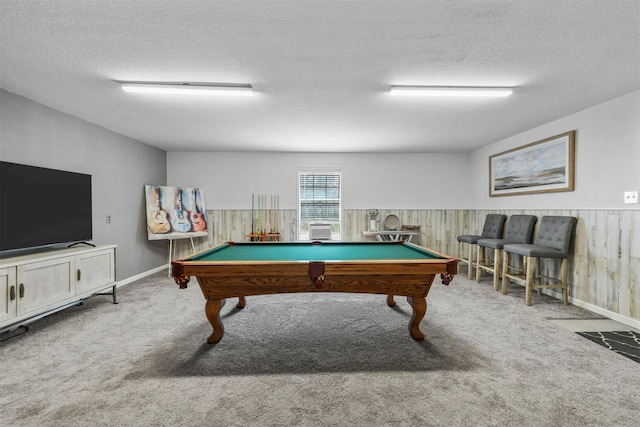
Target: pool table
{"x": 260, "y": 268}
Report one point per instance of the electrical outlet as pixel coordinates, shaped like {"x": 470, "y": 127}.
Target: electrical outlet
{"x": 108, "y": 219}
{"x": 631, "y": 197}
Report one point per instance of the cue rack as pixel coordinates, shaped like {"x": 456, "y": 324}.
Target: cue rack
{"x": 265, "y": 218}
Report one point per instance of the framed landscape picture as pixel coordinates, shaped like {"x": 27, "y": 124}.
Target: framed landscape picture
{"x": 540, "y": 167}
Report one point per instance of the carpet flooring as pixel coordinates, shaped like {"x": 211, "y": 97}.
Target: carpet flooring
{"x": 315, "y": 359}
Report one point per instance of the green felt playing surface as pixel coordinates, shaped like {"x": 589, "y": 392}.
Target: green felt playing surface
{"x": 347, "y": 251}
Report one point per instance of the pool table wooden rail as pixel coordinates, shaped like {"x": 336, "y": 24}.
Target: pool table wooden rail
{"x": 301, "y": 268}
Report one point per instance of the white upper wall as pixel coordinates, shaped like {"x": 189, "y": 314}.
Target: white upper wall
{"x": 382, "y": 181}
{"x": 607, "y": 160}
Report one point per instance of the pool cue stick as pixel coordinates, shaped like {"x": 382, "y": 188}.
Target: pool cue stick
{"x": 260, "y": 210}
{"x": 266, "y": 215}
{"x": 251, "y": 238}
{"x": 269, "y": 213}
{"x": 275, "y": 217}
{"x": 274, "y": 212}
{"x": 269, "y": 210}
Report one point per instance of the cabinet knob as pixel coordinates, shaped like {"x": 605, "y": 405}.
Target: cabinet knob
{"x": 78, "y": 274}
{"x": 12, "y": 292}
{"x": 21, "y": 290}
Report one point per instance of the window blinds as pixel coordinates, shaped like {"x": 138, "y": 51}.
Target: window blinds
{"x": 320, "y": 195}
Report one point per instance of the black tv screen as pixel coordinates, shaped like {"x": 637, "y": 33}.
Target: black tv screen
{"x": 40, "y": 207}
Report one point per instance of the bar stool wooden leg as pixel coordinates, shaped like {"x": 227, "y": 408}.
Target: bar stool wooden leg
{"x": 479, "y": 257}
{"x": 505, "y": 268}
{"x": 497, "y": 253}
{"x": 530, "y": 268}
{"x": 539, "y": 275}
{"x": 470, "y": 272}
{"x": 565, "y": 285}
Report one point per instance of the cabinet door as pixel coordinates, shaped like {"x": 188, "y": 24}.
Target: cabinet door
{"x": 46, "y": 283}
{"x": 96, "y": 270}
{"x": 8, "y": 293}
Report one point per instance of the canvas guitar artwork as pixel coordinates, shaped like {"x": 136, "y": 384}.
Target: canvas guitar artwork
{"x": 175, "y": 212}
{"x": 180, "y": 220}
{"x": 196, "y": 216}
{"x": 158, "y": 221}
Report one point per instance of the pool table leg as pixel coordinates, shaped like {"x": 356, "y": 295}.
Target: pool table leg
{"x": 212, "y": 310}
{"x": 419, "y": 306}
{"x": 241, "y": 302}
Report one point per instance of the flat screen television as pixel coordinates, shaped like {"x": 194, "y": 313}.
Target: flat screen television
{"x": 43, "y": 207}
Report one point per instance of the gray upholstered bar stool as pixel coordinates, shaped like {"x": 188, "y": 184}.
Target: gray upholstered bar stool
{"x": 519, "y": 230}
{"x": 553, "y": 240}
{"x": 492, "y": 229}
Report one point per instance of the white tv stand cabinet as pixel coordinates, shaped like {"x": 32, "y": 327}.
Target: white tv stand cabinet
{"x": 37, "y": 284}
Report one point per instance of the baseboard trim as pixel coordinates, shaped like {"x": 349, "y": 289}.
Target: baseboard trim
{"x": 635, "y": 323}
{"x": 142, "y": 275}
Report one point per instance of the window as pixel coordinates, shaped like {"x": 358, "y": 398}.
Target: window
{"x": 319, "y": 196}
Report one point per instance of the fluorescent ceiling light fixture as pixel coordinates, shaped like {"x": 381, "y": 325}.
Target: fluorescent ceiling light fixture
{"x": 450, "y": 91}
{"x": 188, "y": 88}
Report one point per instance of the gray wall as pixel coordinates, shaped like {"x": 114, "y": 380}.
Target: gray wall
{"x": 33, "y": 134}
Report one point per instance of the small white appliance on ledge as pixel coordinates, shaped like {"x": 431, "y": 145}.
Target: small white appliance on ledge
{"x": 320, "y": 231}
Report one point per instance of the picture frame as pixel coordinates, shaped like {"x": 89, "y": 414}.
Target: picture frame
{"x": 544, "y": 166}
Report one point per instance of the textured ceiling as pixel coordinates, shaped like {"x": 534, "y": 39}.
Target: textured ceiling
{"x": 321, "y": 69}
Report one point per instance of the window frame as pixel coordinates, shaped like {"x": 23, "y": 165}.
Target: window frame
{"x": 319, "y": 170}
